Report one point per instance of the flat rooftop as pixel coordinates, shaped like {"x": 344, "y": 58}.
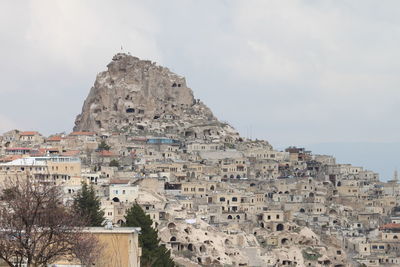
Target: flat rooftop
{"x": 113, "y": 230}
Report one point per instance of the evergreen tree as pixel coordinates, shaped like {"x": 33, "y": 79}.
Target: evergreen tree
{"x": 114, "y": 163}
{"x": 103, "y": 146}
{"x": 153, "y": 254}
{"x": 87, "y": 204}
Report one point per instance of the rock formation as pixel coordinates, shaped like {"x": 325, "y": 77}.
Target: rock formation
{"x": 139, "y": 97}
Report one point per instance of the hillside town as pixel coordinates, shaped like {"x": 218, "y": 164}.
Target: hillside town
{"x": 216, "y": 197}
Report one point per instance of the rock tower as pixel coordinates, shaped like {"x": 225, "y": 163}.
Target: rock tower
{"x": 139, "y": 97}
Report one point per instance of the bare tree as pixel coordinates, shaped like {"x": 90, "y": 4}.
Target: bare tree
{"x": 87, "y": 250}
{"x": 36, "y": 229}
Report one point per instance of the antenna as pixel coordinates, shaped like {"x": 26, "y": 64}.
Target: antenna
{"x": 395, "y": 176}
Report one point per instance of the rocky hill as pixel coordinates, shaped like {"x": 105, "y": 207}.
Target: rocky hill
{"x": 139, "y": 97}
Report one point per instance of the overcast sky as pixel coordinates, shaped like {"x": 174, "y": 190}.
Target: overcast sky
{"x": 291, "y": 72}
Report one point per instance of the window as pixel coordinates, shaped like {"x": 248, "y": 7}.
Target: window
{"x": 277, "y": 216}
{"x": 222, "y": 199}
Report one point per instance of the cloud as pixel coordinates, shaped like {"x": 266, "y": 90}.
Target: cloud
{"x": 52, "y": 51}
{"x": 301, "y": 73}
{"x": 73, "y": 32}
{"x": 298, "y": 72}
{"x": 6, "y": 124}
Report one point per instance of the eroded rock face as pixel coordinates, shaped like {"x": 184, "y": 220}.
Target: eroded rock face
{"x": 137, "y": 96}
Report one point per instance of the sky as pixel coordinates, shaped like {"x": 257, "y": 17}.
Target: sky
{"x": 299, "y": 72}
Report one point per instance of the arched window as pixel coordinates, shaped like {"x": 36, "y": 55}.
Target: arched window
{"x": 332, "y": 212}
{"x": 171, "y": 225}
